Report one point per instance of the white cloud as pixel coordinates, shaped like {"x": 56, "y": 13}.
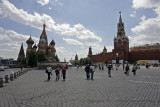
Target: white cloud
{"x": 8, "y": 10}
{"x": 43, "y": 2}
{"x": 11, "y": 42}
{"x": 147, "y": 30}
{"x": 13, "y": 36}
{"x": 36, "y": 20}
{"x": 73, "y": 41}
{"x": 145, "y": 3}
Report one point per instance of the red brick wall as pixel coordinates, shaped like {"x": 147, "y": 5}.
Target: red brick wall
{"x": 102, "y": 57}
{"x": 146, "y": 55}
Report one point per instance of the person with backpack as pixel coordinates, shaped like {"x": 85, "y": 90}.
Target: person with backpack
{"x": 87, "y": 72}
{"x": 64, "y": 69}
{"x": 134, "y": 69}
{"x": 57, "y": 71}
{"x": 49, "y": 72}
{"x": 92, "y": 70}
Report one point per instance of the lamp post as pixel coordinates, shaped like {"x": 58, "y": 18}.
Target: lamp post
{"x": 117, "y": 58}
{"x": 27, "y": 60}
{"x": 37, "y": 60}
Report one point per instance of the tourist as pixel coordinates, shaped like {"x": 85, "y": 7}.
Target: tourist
{"x": 123, "y": 67}
{"x": 77, "y": 67}
{"x": 99, "y": 67}
{"x": 127, "y": 70}
{"x": 92, "y": 70}
{"x": 64, "y": 69}
{"x": 49, "y": 72}
{"x": 57, "y": 71}
{"x": 134, "y": 69}
{"x": 102, "y": 68}
{"x": 109, "y": 70}
{"x": 87, "y": 68}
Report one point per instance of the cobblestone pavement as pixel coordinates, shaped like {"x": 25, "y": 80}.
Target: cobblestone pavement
{"x": 10, "y": 71}
{"x": 32, "y": 90}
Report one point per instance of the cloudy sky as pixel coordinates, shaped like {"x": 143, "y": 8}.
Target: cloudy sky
{"x": 76, "y": 24}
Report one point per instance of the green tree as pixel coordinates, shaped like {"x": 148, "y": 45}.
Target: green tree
{"x": 84, "y": 61}
{"x": 42, "y": 56}
{"x": 32, "y": 59}
{"x": 106, "y": 61}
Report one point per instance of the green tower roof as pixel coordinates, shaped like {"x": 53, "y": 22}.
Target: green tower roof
{"x": 30, "y": 41}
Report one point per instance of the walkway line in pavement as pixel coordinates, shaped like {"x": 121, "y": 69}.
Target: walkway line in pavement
{"x": 145, "y": 82}
{"x": 11, "y": 71}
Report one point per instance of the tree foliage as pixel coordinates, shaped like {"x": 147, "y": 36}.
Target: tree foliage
{"x": 83, "y": 61}
{"x": 42, "y": 56}
{"x": 32, "y": 59}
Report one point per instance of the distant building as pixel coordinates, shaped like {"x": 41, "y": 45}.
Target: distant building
{"x": 90, "y": 51}
{"x": 121, "y": 49}
{"x": 147, "y": 47}
{"x": 43, "y": 46}
{"x": 76, "y": 57}
{"x": 104, "y": 50}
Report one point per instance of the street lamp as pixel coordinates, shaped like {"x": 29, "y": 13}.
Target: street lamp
{"x": 117, "y": 58}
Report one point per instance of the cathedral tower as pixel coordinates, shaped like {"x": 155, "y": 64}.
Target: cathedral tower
{"x": 29, "y": 42}
{"x": 43, "y": 42}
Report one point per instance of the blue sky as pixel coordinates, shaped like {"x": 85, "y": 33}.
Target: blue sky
{"x": 76, "y": 24}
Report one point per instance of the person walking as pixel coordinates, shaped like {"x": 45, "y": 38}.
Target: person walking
{"x": 64, "y": 69}
{"x": 49, "y": 72}
{"x": 57, "y": 71}
{"x": 134, "y": 69}
{"x": 127, "y": 70}
{"x": 87, "y": 68}
{"x": 102, "y": 67}
{"x": 92, "y": 70}
{"x": 99, "y": 67}
{"x": 123, "y": 67}
{"x": 109, "y": 70}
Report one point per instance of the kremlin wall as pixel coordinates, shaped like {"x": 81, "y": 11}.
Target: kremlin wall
{"x": 121, "y": 51}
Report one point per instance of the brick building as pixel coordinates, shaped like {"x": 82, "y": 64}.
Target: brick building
{"x": 121, "y": 49}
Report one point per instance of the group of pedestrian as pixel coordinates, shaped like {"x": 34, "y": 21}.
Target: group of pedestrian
{"x": 101, "y": 67}
{"x": 134, "y": 69}
{"x": 58, "y": 69}
{"x": 90, "y": 69}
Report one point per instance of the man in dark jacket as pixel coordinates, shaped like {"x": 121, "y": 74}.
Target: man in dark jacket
{"x": 87, "y": 72}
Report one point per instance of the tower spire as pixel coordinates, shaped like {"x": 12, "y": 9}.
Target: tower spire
{"x": 120, "y": 18}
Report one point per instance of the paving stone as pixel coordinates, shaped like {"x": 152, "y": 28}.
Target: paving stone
{"x": 32, "y": 89}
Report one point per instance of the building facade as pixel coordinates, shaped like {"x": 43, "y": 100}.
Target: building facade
{"x": 42, "y": 46}
{"x": 121, "y": 49}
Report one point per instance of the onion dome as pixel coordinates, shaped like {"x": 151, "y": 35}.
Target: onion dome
{"x": 52, "y": 42}
{"x": 35, "y": 46}
{"x": 30, "y": 41}
{"x": 42, "y": 40}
